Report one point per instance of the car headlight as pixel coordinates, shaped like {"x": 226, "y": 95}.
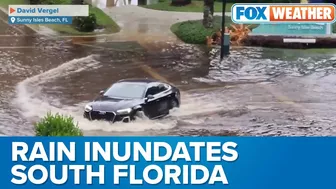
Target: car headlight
{"x": 88, "y": 108}
{"x": 124, "y": 111}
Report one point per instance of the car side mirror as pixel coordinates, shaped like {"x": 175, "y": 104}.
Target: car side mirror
{"x": 149, "y": 97}
{"x": 101, "y": 92}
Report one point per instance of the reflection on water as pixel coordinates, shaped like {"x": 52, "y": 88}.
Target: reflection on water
{"x": 263, "y": 64}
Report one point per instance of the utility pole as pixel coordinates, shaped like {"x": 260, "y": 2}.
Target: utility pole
{"x": 223, "y": 29}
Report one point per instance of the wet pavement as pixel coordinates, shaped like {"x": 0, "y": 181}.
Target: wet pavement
{"x": 254, "y": 91}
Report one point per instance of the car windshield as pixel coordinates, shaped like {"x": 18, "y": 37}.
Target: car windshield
{"x": 126, "y": 90}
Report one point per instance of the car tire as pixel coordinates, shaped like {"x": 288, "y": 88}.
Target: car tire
{"x": 174, "y": 104}
{"x": 138, "y": 114}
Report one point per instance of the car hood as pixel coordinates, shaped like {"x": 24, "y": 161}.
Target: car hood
{"x": 111, "y": 104}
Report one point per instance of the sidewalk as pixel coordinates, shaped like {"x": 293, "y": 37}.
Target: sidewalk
{"x": 148, "y": 24}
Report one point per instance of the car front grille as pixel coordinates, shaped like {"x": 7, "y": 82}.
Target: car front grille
{"x": 100, "y": 115}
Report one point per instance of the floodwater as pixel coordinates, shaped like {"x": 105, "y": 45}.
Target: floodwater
{"x": 254, "y": 91}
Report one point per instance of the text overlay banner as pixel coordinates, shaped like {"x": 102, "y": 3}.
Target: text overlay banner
{"x": 48, "y": 10}
{"x": 247, "y": 162}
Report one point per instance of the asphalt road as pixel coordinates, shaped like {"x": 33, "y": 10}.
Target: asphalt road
{"x": 254, "y": 91}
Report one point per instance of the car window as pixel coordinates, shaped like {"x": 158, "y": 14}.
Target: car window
{"x": 156, "y": 89}
{"x": 162, "y": 88}
{"x": 126, "y": 90}
{"x": 152, "y": 91}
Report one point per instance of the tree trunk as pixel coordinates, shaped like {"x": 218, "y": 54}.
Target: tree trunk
{"x": 180, "y": 2}
{"x": 208, "y": 13}
{"x": 77, "y": 2}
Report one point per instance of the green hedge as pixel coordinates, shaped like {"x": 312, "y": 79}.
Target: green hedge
{"x": 85, "y": 24}
{"x": 193, "y": 31}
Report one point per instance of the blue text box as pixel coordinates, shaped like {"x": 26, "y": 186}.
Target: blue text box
{"x": 39, "y": 20}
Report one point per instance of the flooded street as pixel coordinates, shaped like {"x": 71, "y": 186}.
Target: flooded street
{"x": 254, "y": 91}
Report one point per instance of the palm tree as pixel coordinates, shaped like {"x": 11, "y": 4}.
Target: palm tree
{"x": 208, "y": 13}
{"x": 77, "y": 2}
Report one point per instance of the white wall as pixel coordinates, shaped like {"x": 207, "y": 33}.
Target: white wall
{"x": 102, "y": 3}
{"x": 99, "y": 3}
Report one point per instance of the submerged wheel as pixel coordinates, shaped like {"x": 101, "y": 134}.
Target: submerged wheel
{"x": 174, "y": 104}
{"x": 138, "y": 114}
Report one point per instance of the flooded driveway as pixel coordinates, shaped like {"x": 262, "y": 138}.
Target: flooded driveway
{"x": 254, "y": 91}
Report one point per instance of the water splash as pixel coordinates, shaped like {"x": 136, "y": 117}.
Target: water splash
{"x": 34, "y": 105}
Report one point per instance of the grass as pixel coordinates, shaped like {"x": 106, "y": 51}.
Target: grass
{"x": 102, "y": 20}
{"x": 193, "y": 32}
{"x": 109, "y": 25}
{"x": 105, "y": 20}
{"x": 5, "y": 3}
{"x": 195, "y": 6}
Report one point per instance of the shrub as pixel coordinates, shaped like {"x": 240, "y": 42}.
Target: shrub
{"x": 57, "y": 125}
{"x": 193, "y": 31}
{"x": 85, "y": 24}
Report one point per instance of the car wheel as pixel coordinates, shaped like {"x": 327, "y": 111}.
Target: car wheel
{"x": 139, "y": 114}
{"x": 174, "y": 103}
